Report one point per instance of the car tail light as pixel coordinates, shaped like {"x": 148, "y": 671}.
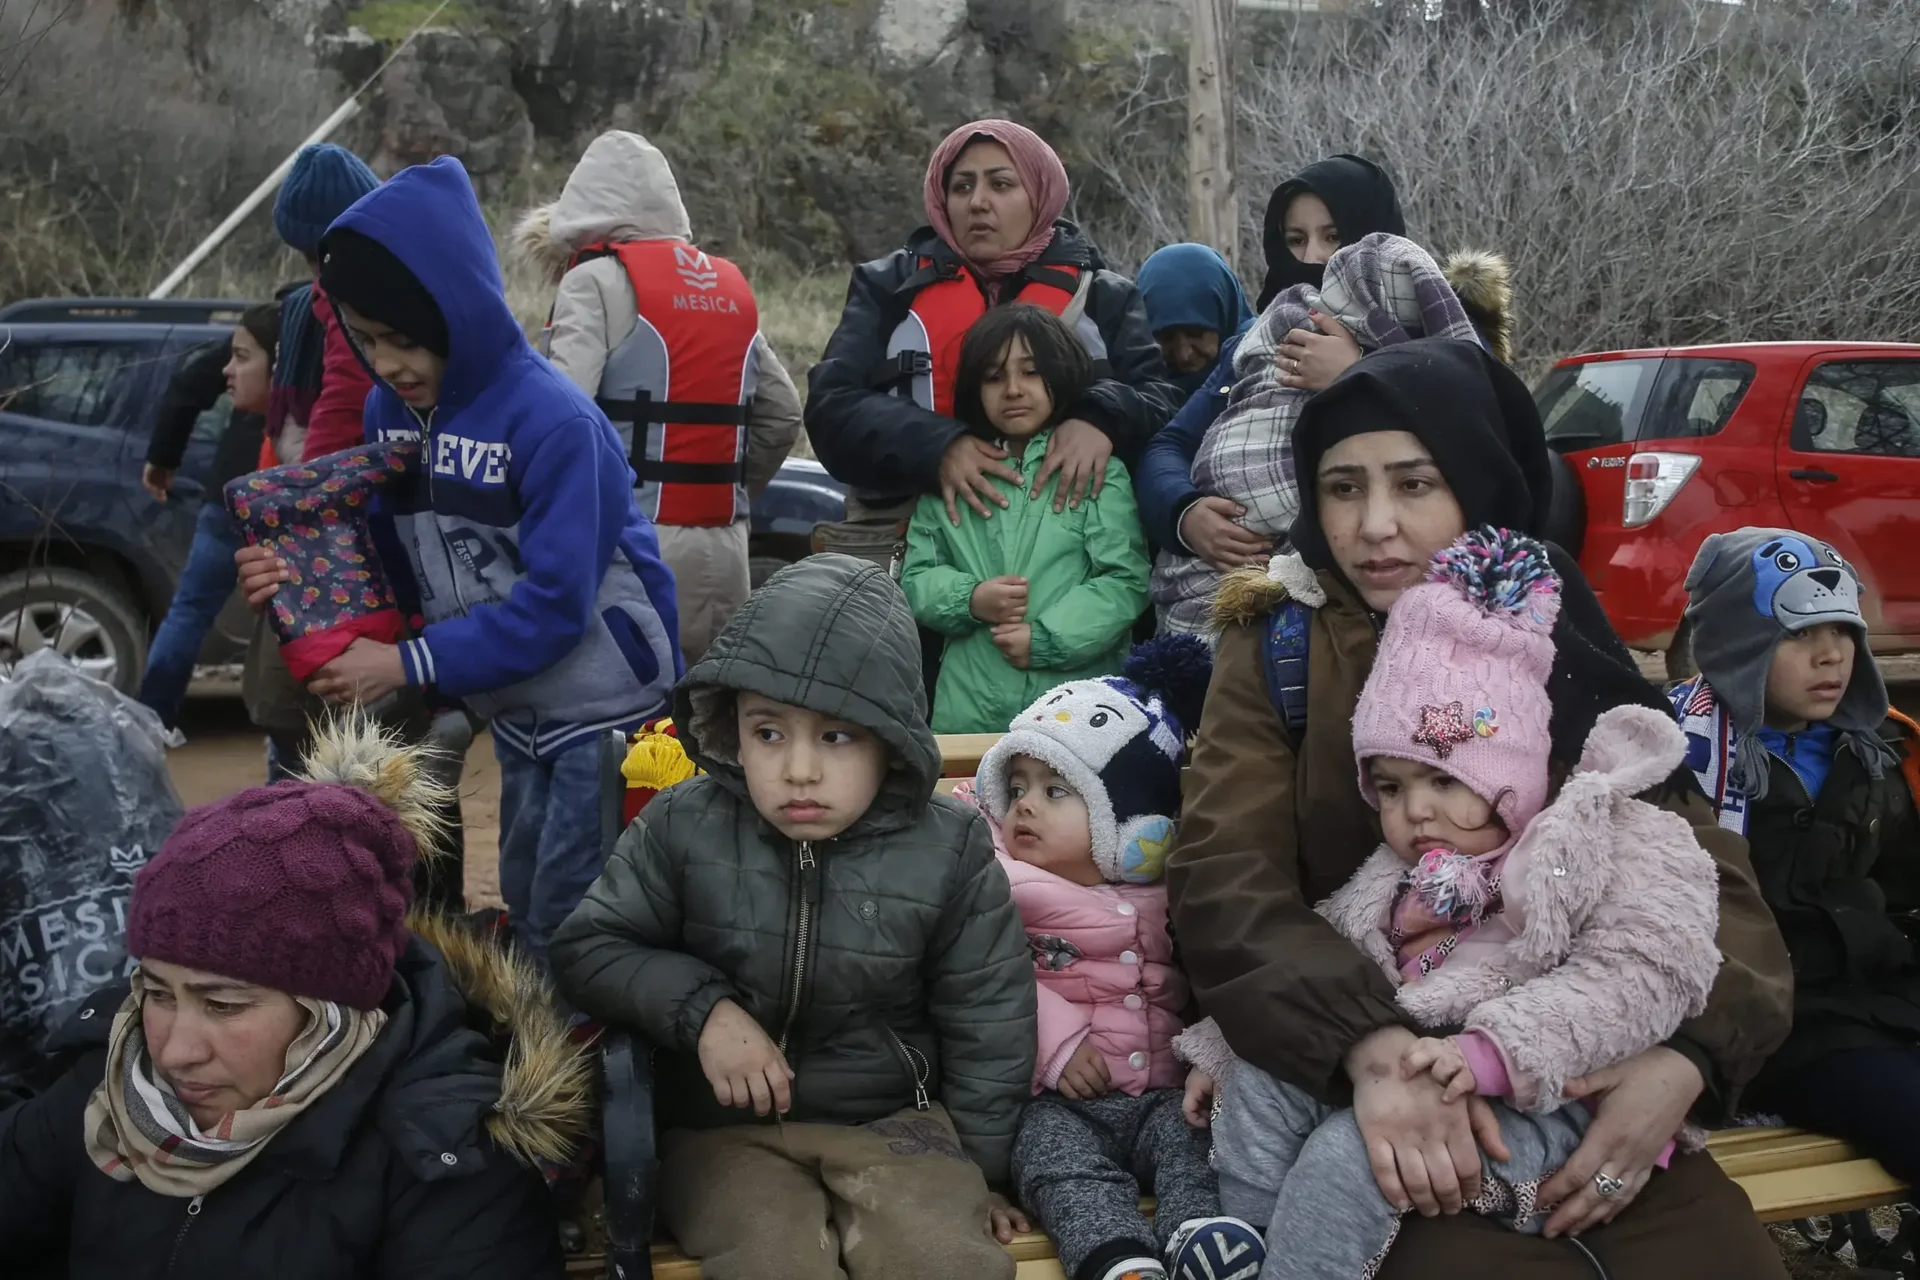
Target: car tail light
{"x": 1652, "y": 480}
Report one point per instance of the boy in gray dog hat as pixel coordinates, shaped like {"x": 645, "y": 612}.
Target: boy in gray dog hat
{"x": 1790, "y": 733}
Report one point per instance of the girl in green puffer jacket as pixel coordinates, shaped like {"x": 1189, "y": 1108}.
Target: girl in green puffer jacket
{"x": 1044, "y": 590}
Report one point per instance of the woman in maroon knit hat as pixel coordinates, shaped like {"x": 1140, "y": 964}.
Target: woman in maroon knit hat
{"x": 297, "y": 1079}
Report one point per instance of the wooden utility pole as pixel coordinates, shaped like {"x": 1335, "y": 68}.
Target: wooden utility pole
{"x": 1213, "y": 194}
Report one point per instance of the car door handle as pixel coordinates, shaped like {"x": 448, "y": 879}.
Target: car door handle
{"x": 1813, "y": 475}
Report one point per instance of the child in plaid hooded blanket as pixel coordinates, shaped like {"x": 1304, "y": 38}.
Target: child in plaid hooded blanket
{"x": 1384, "y": 290}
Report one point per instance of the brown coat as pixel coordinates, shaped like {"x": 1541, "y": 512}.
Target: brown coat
{"x": 1272, "y": 826}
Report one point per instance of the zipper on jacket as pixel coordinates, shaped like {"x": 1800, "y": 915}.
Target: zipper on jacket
{"x": 426, "y": 464}
{"x": 193, "y": 1211}
{"x": 802, "y": 937}
{"x": 917, "y": 1064}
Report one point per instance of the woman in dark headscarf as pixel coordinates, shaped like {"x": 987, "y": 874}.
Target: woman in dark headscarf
{"x": 1333, "y": 202}
{"x": 1411, "y": 447}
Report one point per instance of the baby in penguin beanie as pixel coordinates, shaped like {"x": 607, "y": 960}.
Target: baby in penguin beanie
{"x": 1083, "y": 791}
{"x": 1113, "y": 747}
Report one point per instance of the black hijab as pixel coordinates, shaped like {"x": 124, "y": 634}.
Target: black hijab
{"x": 1479, "y": 423}
{"x": 1358, "y": 194}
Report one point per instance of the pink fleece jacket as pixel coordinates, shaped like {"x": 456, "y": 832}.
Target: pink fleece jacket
{"x": 1104, "y": 962}
{"x": 1613, "y": 946}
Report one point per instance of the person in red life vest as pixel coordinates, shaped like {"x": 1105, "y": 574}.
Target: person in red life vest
{"x": 880, "y": 402}
{"x": 666, "y": 338}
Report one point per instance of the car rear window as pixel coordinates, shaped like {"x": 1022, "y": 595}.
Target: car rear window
{"x": 79, "y": 383}
{"x": 1693, "y": 397}
{"x": 1589, "y": 406}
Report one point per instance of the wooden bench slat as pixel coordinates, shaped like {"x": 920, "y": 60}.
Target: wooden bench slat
{"x": 960, "y": 752}
{"x": 1785, "y": 1194}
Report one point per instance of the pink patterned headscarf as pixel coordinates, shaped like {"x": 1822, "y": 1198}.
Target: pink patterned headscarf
{"x": 1041, "y": 173}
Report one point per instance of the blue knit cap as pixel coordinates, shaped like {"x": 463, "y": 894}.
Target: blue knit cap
{"x": 324, "y": 182}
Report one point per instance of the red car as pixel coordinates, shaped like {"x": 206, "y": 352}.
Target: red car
{"x": 1661, "y": 448}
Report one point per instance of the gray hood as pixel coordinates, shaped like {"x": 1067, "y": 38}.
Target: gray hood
{"x": 622, "y": 189}
{"x": 832, "y": 634}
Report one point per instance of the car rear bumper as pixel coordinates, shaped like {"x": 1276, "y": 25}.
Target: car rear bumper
{"x": 1640, "y": 578}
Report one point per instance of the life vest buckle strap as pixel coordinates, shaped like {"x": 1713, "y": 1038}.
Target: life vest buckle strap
{"x": 645, "y": 409}
{"x": 901, "y": 369}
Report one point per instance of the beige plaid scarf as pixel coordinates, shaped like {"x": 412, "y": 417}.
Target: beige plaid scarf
{"x": 137, "y": 1128}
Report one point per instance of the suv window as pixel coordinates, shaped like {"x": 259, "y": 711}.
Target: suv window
{"x": 1694, "y": 397}
{"x": 1589, "y": 406}
{"x": 1872, "y": 407}
{"x": 81, "y": 383}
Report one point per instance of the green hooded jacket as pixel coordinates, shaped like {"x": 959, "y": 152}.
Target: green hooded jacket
{"x": 1086, "y": 573}
{"x": 890, "y": 959}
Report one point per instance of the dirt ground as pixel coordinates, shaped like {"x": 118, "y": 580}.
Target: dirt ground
{"x": 225, "y": 754}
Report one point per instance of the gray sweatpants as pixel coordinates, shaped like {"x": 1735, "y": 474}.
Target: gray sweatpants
{"x": 1301, "y": 1168}
{"x": 1080, "y": 1168}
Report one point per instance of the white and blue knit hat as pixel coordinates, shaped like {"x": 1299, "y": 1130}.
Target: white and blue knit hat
{"x": 1119, "y": 741}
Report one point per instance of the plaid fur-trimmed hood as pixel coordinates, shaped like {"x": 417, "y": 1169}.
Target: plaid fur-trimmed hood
{"x": 1385, "y": 290}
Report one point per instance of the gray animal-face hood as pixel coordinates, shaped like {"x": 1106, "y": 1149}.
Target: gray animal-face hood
{"x": 832, "y": 634}
{"x": 1750, "y": 589}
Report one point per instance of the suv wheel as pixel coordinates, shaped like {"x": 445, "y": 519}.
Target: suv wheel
{"x": 86, "y": 620}
{"x": 1680, "y": 663}
{"x": 760, "y": 568}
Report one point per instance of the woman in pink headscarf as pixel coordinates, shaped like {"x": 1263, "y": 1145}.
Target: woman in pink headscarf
{"x": 880, "y": 402}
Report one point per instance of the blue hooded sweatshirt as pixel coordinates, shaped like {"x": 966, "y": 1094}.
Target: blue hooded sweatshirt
{"x": 548, "y": 607}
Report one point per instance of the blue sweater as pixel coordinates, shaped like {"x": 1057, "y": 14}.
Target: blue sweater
{"x": 548, "y": 607}
{"x": 1163, "y": 484}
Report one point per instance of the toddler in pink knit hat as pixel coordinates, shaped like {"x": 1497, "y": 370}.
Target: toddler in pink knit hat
{"x": 1559, "y": 937}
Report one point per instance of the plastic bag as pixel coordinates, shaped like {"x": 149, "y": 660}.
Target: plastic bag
{"x": 85, "y": 800}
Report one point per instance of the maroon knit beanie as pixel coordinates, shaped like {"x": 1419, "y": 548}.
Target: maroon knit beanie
{"x": 302, "y": 887}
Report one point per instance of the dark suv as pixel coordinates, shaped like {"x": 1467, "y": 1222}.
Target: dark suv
{"x": 88, "y": 561}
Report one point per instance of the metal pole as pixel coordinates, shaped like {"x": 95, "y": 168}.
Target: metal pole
{"x": 1213, "y": 196}
{"x": 253, "y": 201}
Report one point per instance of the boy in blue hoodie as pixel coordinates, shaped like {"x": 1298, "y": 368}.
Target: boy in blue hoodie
{"x": 547, "y": 606}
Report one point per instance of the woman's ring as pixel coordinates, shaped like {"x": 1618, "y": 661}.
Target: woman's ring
{"x": 1607, "y": 1185}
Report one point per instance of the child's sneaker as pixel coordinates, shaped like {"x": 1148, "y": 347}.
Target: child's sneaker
{"x": 1216, "y": 1249}
{"x": 1135, "y": 1269}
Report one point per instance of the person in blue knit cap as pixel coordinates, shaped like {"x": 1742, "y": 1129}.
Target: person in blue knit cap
{"x": 319, "y": 387}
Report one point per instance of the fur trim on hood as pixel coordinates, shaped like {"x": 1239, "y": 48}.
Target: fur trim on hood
{"x": 1246, "y": 594}
{"x": 1484, "y": 283}
{"x": 546, "y": 1104}
{"x": 622, "y": 189}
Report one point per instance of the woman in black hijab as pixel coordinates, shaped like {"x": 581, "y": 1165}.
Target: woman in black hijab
{"x": 1340, "y": 200}
{"x": 1407, "y": 450}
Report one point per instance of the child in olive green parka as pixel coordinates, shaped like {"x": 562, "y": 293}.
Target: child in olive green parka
{"x": 1043, "y": 591}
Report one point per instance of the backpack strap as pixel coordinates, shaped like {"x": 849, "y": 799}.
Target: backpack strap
{"x": 1288, "y": 629}
{"x": 1910, "y": 756}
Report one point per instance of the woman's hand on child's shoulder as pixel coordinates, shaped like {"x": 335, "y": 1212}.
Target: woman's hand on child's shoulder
{"x": 742, "y": 1063}
{"x": 1441, "y": 1059}
{"x": 1078, "y": 451}
{"x": 1197, "y": 1105}
{"x": 1004, "y": 1218}
{"x": 1085, "y": 1076}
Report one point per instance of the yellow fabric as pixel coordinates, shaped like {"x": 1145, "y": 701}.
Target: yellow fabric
{"x": 656, "y": 760}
